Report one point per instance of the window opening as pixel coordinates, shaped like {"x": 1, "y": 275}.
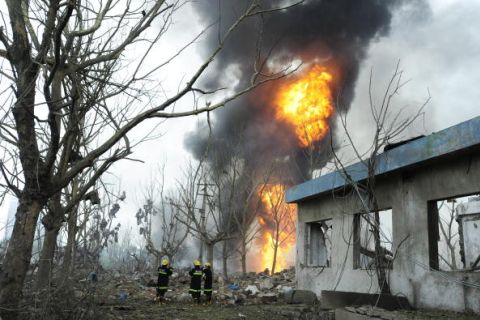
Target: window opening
{"x": 365, "y": 226}
{"x": 454, "y": 233}
{"x": 319, "y": 244}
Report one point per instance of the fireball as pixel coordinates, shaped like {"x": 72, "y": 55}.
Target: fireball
{"x": 306, "y": 104}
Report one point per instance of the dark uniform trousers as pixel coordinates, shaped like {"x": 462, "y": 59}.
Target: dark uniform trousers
{"x": 162, "y": 282}
{"x": 207, "y": 286}
{"x": 196, "y": 283}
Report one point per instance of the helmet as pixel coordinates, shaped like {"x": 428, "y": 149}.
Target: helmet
{"x": 196, "y": 263}
{"x": 164, "y": 262}
{"x": 208, "y": 264}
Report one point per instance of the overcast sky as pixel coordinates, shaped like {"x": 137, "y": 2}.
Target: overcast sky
{"x": 439, "y": 50}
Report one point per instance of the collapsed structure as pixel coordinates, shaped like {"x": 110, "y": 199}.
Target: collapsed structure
{"x": 433, "y": 257}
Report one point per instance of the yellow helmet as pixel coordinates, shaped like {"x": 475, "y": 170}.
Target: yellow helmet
{"x": 164, "y": 262}
{"x": 196, "y": 263}
{"x": 208, "y": 264}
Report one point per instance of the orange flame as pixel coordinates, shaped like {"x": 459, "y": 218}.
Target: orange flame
{"x": 307, "y": 104}
{"x": 280, "y": 233}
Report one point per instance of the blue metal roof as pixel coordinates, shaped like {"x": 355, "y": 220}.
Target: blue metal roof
{"x": 447, "y": 141}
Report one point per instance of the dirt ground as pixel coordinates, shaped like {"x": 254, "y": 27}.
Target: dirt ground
{"x": 124, "y": 297}
{"x": 183, "y": 310}
{"x": 134, "y": 309}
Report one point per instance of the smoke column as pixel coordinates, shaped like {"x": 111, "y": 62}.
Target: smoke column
{"x": 338, "y": 32}
{"x": 335, "y": 33}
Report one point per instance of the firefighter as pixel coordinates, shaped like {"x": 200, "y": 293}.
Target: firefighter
{"x": 196, "y": 282}
{"x": 164, "y": 271}
{"x": 208, "y": 282}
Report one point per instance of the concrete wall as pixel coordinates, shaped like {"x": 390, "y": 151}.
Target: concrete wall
{"x": 407, "y": 192}
{"x": 469, "y": 216}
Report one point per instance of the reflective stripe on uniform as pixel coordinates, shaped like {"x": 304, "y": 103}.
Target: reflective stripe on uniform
{"x": 162, "y": 288}
{"x": 207, "y": 290}
{"x": 162, "y": 272}
{"x": 197, "y": 273}
{"x": 193, "y": 290}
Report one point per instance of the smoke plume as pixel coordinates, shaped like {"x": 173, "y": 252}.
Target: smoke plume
{"x": 334, "y": 33}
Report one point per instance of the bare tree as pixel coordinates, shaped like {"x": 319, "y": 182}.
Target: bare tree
{"x": 449, "y": 233}
{"x": 278, "y": 217}
{"x": 240, "y": 188}
{"x": 199, "y": 211}
{"x": 158, "y": 217}
{"x": 66, "y": 61}
{"x": 59, "y": 208}
{"x": 389, "y": 125}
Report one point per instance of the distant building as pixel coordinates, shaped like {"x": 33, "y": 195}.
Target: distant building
{"x": 414, "y": 183}
{"x": 12, "y": 210}
{"x": 468, "y": 217}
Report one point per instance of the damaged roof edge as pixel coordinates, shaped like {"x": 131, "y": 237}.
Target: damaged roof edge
{"x": 447, "y": 141}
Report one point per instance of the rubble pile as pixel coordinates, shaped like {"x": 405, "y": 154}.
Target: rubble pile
{"x": 254, "y": 288}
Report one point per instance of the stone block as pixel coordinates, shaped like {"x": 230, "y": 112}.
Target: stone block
{"x": 300, "y": 296}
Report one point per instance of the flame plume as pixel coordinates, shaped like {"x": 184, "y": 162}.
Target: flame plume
{"x": 307, "y": 104}
{"x": 278, "y": 228}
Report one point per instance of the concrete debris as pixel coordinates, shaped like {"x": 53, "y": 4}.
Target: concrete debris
{"x": 252, "y": 289}
{"x": 300, "y": 297}
{"x": 267, "y": 297}
{"x": 266, "y": 284}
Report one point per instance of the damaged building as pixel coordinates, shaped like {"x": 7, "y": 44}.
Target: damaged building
{"x": 429, "y": 210}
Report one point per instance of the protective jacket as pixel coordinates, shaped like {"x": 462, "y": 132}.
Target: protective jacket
{"x": 196, "y": 281}
{"x": 163, "y": 273}
{"x": 207, "y": 285}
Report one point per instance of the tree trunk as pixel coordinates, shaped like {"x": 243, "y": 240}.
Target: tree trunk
{"x": 210, "y": 252}
{"x": 52, "y": 222}
{"x": 244, "y": 257}
{"x": 224, "y": 260}
{"x": 18, "y": 255}
{"x": 44, "y": 273}
{"x": 379, "y": 257}
{"x": 85, "y": 247}
{"x": 275, "y": 249}
{"x": 67, "y": 258}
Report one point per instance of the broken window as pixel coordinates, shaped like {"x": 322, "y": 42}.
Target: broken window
{"x": 318, "y": 244}
{"x": 365, "y": 227}
{"x": 454, "y": 233}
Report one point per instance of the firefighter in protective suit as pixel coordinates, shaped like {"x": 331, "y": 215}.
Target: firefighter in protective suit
{"x": 196, "y": 282}
{"x": 164, "y": 272}
{"x": 208, "y": 282}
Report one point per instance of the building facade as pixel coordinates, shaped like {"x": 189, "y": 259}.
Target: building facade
{"x": 427, "y": 192}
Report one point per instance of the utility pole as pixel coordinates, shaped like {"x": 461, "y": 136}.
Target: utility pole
{"x": 203, "y": 218}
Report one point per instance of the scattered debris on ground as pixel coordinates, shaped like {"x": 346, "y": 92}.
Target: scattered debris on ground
{"x": 113, "y": 295}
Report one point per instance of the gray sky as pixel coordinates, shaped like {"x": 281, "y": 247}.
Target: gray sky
{"x": 438, "y": 49}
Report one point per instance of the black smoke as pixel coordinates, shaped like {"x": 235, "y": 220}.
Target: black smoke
{"x": 335, "y": 33}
